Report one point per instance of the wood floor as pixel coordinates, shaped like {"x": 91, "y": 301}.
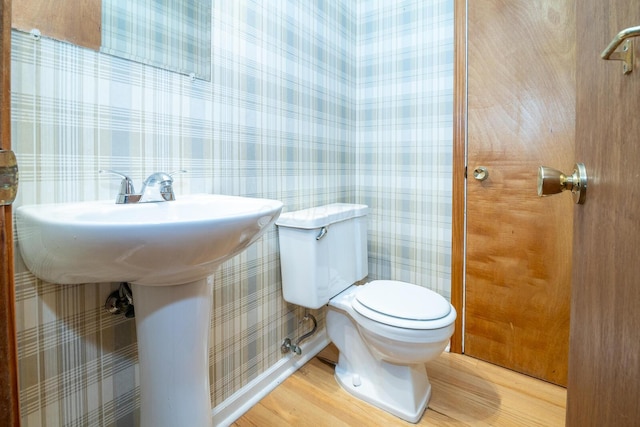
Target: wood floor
{"x": 465, "y": 392}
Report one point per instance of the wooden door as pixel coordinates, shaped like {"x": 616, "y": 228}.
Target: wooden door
{"x": 9, "y": 406}
{"x": 521, "y": 114}
{"x": 604, "y": 361}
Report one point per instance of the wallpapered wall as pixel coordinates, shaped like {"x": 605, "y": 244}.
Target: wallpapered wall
{"x": 309, "y": 103}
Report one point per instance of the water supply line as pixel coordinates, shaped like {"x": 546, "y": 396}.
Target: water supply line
{"x": 121, "y": 301}
{"x": 288, "y": 346}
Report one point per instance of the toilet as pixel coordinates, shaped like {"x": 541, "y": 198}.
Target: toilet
{"x": 385, "y": 330}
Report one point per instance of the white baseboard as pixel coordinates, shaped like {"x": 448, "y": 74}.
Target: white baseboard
{"x": 242, "y": 400}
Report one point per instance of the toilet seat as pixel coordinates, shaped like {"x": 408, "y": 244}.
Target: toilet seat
{"x": 402, "y": 305}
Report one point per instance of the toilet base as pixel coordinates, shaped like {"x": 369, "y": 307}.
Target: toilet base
{"x": 402, "y": 390}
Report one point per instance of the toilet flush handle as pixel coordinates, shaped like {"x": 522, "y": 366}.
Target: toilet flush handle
{"x": 323, "y": 232}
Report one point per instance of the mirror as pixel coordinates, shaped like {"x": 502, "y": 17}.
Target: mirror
{"x": 170, "y": 34}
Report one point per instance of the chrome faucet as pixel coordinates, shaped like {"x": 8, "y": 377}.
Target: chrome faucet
{"x": 158, "y": 187}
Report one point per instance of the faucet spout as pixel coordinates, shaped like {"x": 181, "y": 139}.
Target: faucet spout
{"x": 158, "y": 187}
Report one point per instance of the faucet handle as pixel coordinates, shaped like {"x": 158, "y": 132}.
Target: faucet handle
{"x": 126, "y": 186}
{"x": 171, "y": 174}
{"x": 127, "y": 190}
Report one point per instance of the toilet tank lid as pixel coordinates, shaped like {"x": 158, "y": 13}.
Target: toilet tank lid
{"x": 321, "y": 216}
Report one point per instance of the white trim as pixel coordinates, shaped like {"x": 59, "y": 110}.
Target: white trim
{"x": 242, "y": 400}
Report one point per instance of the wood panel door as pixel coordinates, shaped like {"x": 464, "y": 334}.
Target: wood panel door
{"x": 521, "y": 114}
{"x": 604, "y": 362}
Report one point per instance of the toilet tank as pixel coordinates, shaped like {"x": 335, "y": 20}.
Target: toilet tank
{"x": 323, "y": 250}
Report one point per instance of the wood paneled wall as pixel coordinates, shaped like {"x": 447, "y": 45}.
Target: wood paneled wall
{"x": 74, "y": 21}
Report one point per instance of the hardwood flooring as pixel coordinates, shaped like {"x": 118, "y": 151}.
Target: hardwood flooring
{"x": 465, "y": 392}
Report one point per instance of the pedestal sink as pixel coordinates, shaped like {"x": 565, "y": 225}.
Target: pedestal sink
{"x": 167, "y": 251}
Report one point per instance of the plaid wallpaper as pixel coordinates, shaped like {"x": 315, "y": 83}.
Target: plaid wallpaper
{"x": 308, "y": 103}
{"x": 404, "y": 138}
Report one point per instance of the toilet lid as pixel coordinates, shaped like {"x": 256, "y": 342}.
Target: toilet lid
{"x": 400, "y": 300}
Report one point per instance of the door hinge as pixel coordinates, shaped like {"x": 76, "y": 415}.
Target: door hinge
{"x": 8, "y": 177}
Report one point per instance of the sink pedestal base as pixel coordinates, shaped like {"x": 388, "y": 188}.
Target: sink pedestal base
{"x": 172, "y": 324}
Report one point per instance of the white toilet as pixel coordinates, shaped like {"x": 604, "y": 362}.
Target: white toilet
{"x": 385, "y": 330}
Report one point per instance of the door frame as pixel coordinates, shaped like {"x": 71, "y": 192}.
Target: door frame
{"x": 9, "y": 390}
{"x": 458, "y": 220}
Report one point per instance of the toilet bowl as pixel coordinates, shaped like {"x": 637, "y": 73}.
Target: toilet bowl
{"x": 382, "y": 360}
{"x": 385, "y": 330}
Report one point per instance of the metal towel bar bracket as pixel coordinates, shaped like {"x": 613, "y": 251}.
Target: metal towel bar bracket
{"x": 626, "y": 55}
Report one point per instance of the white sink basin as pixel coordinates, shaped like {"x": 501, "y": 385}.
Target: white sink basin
{"x": 151, "y": 244}
{"x": 168, "y": 252}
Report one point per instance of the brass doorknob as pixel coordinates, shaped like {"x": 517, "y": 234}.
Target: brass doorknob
{"x": 481, "y": 173}
{"x": 552, "y": 181}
